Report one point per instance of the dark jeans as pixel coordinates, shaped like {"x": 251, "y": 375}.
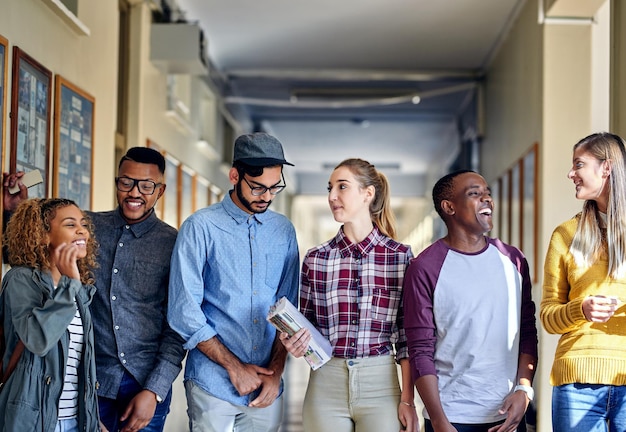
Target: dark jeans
{"x": 483, "y": 427}
{"x": 112, "y": 409}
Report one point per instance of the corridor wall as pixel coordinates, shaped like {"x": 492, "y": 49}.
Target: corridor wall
{"x": 547, "y": 85}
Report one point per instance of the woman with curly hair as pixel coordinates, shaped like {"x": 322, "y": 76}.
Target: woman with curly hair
{"x": 44, "y": 304}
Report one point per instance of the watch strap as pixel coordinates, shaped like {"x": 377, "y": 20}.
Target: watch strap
{"x": 530, "y": 393}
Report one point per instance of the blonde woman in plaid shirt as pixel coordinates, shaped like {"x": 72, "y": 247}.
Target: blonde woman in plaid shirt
{"x": 351, "y": 290}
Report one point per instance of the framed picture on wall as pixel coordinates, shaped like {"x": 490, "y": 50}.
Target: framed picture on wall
{"x": 73, "y": 143}
{"x": 216, "y": 195}
{"x": 3, "y": 91}
{"x": 505, "y": 207}
{"x": 202, "y": 195}
{"x": 516, "y": 206}
{"x": 495, "y": 195}
{"x": 170, "y": 202}
{"x": 4, "y": 44}
{"x": 529, "y": 210}
{"x": 187, "y": 192}
{"x": 160, "y": 206}
{"x": 31, "y": 95}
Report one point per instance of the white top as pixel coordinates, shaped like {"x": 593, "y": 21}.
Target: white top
{"x": 68, "y": 404}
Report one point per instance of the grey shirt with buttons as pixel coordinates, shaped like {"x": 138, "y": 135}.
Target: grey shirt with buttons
{"x": 130, "y": 307}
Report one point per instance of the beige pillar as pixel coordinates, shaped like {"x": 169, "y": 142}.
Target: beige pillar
{"x": 568, "y": 86}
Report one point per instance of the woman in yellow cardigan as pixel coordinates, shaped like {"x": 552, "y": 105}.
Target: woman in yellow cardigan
{"x": 584, "y": 290}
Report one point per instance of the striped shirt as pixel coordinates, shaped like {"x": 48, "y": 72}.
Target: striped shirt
{"x": 68, "y": 404}
{"x": 352, "y": 293}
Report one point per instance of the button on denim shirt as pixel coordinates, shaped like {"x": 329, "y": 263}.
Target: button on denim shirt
{"x": 228, "y": 267}
{"x": 130, "y": 307}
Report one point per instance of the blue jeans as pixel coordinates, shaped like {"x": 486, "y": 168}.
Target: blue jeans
{"x": 589, "y": 408}
{"x": 68, "y": 425}
{"x": 112, "y": 409}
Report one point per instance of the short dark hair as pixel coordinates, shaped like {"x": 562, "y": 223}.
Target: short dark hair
{"x": 253, "y": 171}
{"x": 144, "y": 155}
{"x": 444, "y": 187}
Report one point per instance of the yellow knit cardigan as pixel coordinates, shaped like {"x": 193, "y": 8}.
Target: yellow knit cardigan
{"x": 587, "y": 352}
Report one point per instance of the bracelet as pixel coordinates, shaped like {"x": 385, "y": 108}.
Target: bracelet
{"x": 407, "y": 404}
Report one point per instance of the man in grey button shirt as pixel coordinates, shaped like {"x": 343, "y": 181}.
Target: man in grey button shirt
{"x": 138, "y": 355}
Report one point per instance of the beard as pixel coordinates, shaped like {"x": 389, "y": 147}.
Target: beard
{"x": 248, "y": 204}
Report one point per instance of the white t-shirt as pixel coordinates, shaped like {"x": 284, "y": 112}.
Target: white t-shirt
{"x": 68, "y": 404}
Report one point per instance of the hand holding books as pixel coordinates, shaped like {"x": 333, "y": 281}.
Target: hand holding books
{"x": 288, "y": 319}
{"x": 298, "y": 344}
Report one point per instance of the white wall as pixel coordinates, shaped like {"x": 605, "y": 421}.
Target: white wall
{"x": 513, "y": 92}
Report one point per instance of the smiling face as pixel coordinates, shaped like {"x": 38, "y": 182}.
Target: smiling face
{"x": 348, "y": 201}
{"x": 134, "y": 205}
{"x": 590, "y": 176}
{"x": 471, "y": 206}
{"x": 69, "y": 226}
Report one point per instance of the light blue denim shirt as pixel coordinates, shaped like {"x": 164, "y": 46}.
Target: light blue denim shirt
{"x": 228, "y": 267}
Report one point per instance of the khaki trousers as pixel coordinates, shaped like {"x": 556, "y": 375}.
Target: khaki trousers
{"x": 210, "y": 414}
{"x": 353, "y": 395}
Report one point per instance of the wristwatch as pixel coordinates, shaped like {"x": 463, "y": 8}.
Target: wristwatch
{"x": 158, "y": 398}
{"x": 530, "y": 393}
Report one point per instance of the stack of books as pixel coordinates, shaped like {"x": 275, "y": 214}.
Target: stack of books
{"x": 288, "y": 319}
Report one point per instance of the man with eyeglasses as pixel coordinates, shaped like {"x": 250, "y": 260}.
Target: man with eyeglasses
{"x": 138, "y": 355}
{"x": 231, "y": 262}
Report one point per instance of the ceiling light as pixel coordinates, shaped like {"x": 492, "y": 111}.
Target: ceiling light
{"x": 332, "y": 103}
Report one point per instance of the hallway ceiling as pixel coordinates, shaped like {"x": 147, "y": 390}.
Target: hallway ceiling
{"x": 335, "y": 79}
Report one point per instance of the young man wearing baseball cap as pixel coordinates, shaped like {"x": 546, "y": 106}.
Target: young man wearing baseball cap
{"x": 231, "y": 262}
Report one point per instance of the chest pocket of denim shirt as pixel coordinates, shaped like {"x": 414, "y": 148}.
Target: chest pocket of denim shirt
{"x": 274, "y": 265}
{"x": 385, "y": 304}
{"x": 147, "y": 277}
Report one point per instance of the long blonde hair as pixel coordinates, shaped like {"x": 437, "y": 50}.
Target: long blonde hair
{"x": 26, "y": 236}
{"x": 590, "y": 243}
{"x": 380, "y": 207}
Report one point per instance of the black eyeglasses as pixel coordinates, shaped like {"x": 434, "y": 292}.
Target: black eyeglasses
{"x": 260, "y": 190}
{"x": 127, "y": 184}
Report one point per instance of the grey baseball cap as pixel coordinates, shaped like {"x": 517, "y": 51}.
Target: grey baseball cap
{"x": 259, "y": 149}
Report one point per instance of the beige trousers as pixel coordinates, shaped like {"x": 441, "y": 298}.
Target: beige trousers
{"x": 353, "y": 395}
